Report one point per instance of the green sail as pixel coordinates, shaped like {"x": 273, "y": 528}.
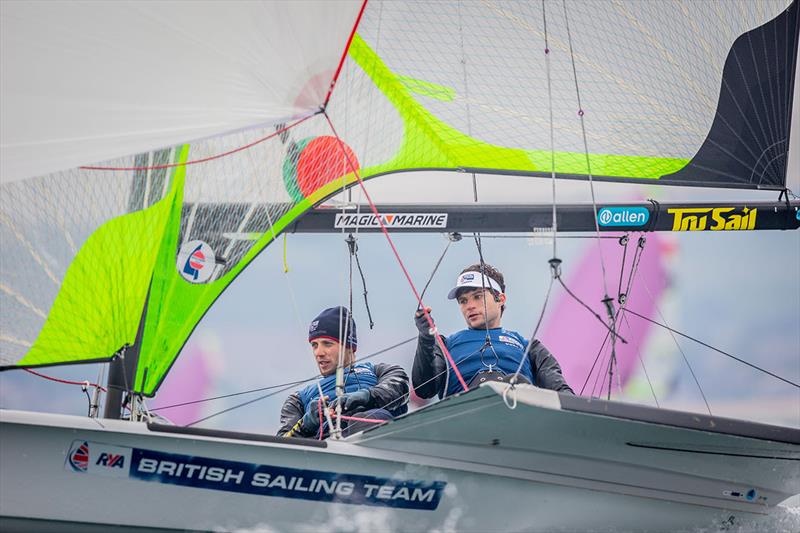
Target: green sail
{"x": 99, "y": 305}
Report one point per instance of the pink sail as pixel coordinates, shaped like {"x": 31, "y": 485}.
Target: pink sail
{"x": 188, "y": 381}
{"x": 575, "y": 336}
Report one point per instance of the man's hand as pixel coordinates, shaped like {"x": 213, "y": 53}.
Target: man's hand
{"x": 354, "y": 401}
{"x": 422, "y": 322}
{"x": 310, "y": 420}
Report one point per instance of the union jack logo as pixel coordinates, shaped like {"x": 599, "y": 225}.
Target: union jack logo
{"x": 79, "y": 456}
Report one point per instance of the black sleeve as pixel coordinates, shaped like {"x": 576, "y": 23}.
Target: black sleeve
{"x": 428, "y": 372}
{"x": 291, "y": 413}
{"x": 391, "y": 392}
{"x": 546, "y": 370}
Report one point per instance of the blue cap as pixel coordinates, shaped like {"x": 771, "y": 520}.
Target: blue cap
{"x": 327, "y": 326}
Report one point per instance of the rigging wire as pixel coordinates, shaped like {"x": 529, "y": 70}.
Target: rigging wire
{"x": 554, "y": 262}
{"x": 608, "y": 302}
{"x": 751, "y": 365}
{"x": 336, "y": 431}
{"x": 65, "y": 381}
{"x": 624, "y": 298}
{"x": 284, "y": 387}
{"x": 234, "y": 394}
{"x": 581, "y": 114}
{"x": 488, "y": 342}
{"x": 599, "y": 373}
{"x": 466, "y": 93}
{"x": 209, "y": 158}
{"x": 575, "y": 297}
{"x": 444, "y": 373}
{"x": 353, "y": 247}
{"x": 644, "y": 368}
{"x": 685, "y": 359}
{"x": 287, "y": 277}
{"x": 596, "y": 359}
{"x": 285, "y": 258}
{"x": 623, "y": 241}
{"x": 394, "y": 250}
{"x": 451, "y": 238}
{"x": 554, "y": 222}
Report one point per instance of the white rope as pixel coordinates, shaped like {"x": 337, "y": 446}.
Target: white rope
{"x": 510, "y": 389}
{"x": 585, "y": 148}
{"x": 554, "y": 222}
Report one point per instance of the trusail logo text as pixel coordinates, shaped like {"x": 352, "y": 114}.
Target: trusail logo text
{"x": 713, "y": 218}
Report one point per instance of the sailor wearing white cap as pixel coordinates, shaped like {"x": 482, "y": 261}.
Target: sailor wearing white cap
{"x": 485, "y": 350}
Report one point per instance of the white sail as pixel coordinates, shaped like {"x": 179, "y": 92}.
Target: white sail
{"x": 84, "y": 82}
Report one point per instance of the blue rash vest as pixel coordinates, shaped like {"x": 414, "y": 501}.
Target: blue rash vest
{"x": 465, "y": 347}
{"x": 356, "y": 377}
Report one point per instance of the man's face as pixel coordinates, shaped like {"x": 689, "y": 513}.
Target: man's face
{"x": 479, "y": 307}
{"x": 326, "y": 353}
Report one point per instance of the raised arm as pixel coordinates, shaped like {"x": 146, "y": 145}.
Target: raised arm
{"x": 428, "y": 372}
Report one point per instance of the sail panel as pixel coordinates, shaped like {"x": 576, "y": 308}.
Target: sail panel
{"x": 749, "y": 139}
{"x": 83, "y": 82}
{"x": 75, "y": 274}
{"x": 233, "y": 207}
{"x": 645, "y": 81}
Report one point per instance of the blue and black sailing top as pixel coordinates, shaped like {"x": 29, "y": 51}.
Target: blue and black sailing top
{"x": 473, "y": 354}
{"x": 387, "y": 385}
{"x": 356, "y": 377}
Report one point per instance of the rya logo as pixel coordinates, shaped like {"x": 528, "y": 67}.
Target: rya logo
{"x": 111, "y": 460}
{"x": 467, "y": 277}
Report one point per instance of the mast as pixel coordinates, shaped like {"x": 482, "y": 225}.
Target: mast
{"x": 122, "y": 371}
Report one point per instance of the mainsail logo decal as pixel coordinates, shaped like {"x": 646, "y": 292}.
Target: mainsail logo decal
{"x": 196, "y": 261}
{"x": 248, "y": 478}
{"x": 712, "y": 218}
{"x": 391, "y": 220}
{"x": 78, "y": 457}
{"x": 623, "y": 216}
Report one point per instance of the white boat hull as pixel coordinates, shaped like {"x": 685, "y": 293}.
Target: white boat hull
{"x": 468, "y": 464}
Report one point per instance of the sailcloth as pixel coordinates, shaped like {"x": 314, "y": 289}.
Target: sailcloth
{"x": 204, "y": 169}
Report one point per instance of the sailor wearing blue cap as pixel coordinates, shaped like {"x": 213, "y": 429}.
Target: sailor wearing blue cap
{"x": 372, "y": 391}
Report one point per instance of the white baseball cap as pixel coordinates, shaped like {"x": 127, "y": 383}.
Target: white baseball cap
{"x": 473, "y": 279}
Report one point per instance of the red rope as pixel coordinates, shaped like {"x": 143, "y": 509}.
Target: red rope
{"x": 357, "y": 419}
{"x": 344, "y": 54}
{"x": 65, "y": 381}
{"x": 396, "y": 254}
{"x": 210, "y": 158}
